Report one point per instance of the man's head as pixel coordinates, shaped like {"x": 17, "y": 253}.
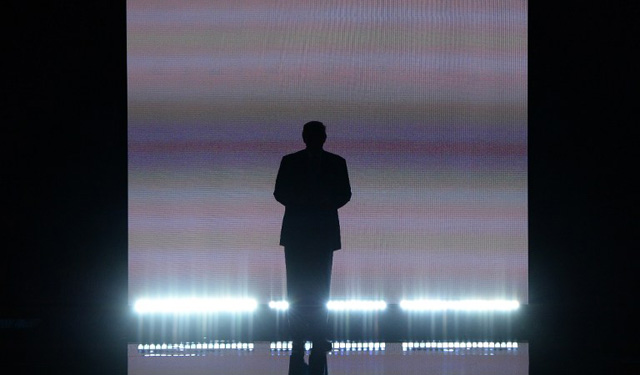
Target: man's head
{"x": 314, "y": 134}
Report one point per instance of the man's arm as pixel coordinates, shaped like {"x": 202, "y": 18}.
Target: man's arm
{"x": 282, "y": 191}
{"x": 343, "y": 191}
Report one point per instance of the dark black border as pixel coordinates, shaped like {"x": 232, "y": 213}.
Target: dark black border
{"x": 64, "y": 284}
{"x": 65, "y": 187}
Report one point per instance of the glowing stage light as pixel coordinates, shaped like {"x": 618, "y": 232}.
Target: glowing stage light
{"x": 449, "y": 346}
{"x": 163, "y": 349}
{"x": 358, "y": 346}
{"x": 348, "y": 305}
{"x": 195, "y": 305}
{"x": 335, "y": 346}
{"x": 461, "y": 305}
{"x": 356, "y": 305}
{"x": 279, "y": 305}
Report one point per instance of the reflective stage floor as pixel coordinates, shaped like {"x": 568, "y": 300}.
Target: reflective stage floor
{"x": 388, "y": 358}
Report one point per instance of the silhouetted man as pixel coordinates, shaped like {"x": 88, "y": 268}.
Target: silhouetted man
{"x": 312, "y": 184}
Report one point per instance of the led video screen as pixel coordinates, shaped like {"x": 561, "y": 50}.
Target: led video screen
{"x": 426, "y": 101}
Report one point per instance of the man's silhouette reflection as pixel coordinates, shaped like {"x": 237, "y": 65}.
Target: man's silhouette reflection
{"x": 312, "y": 184}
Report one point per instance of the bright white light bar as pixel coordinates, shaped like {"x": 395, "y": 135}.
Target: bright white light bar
{"x": 194, "y": 305}
{"x": 359, "y": 305}
{"x": 414, "y": 345}
{"x": 461, "y": 305}
{"x": 279, "y": 305}
{"x": 349, "y": 305}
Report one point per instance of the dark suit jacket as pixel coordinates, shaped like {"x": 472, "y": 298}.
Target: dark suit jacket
{"x": 312, "y": 195}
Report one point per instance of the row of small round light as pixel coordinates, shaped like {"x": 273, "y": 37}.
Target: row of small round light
{"x": 414, "y": 345}
{"x": 173, "y": 355}
{"x": 287, "y": 345}
{"x": 196, "y": 346}
{"x": 359, "y": 346}
{"x": 336, "y": 346}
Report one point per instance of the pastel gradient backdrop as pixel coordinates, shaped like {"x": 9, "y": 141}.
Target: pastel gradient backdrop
{"x": 426, "y": 100}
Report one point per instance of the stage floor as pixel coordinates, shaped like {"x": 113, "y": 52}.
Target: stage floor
{"x": 392, "y": 360}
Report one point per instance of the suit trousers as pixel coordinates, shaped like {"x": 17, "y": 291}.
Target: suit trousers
{"x": 308, "y": 287}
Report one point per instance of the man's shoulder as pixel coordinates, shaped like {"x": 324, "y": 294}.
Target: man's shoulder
{"x": 333, "y": 156}
{"x": 295, "y": 155}
{"x": 303, "y": 154}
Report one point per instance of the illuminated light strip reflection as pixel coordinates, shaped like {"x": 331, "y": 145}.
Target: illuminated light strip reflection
{"x": 182, "y": 347}
{"x": 433, "y": 345}
{"x": 462, "y": 305}
{"x": 336, "y": 346}
{"x": 194, "y": 305}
